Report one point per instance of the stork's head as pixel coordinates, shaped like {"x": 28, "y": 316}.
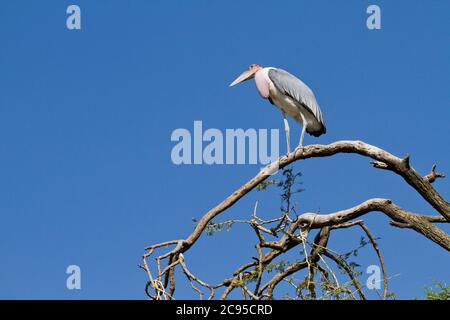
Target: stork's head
{"x": 247, "y": 74}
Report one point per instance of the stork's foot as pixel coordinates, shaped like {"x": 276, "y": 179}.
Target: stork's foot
{"x": 300, "y": 147}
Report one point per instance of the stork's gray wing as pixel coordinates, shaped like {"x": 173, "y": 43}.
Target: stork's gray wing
{"x": 297, "y": 90}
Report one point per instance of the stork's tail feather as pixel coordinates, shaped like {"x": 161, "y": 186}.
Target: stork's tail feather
{"x": 317, "y": 133}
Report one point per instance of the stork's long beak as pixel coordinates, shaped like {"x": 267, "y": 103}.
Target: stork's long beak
{"x": 244, "y": 76}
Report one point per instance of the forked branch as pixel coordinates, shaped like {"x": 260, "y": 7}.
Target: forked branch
{"x": 294, "y": 229}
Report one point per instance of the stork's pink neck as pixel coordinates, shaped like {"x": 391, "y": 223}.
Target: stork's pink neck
{"x": 263, "y": 82}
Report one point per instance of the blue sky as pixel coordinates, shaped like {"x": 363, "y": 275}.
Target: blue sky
{"x": 86, "y": 117}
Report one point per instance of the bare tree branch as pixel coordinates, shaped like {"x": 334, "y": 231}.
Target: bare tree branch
{"x": 416, "y": 222}
{"x": 294, "y": 231}
{"x": 433, "y": 175}
{"x": 380, "y": 258}
{"x": 397, "y": 165}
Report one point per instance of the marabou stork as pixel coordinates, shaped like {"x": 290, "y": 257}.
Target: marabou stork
{"x": 290, "y": 95}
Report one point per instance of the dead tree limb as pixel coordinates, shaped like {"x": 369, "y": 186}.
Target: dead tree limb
{"x": 423, "y": 224}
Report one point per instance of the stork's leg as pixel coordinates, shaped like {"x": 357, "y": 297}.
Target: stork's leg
{"x": 304, "y": 124}
{"x": 287, "y": 132}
